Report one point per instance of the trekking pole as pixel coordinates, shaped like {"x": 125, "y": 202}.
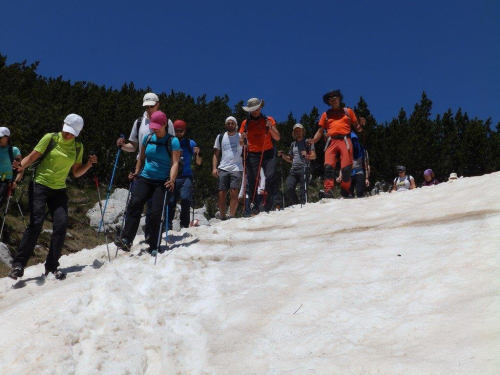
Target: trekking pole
{"x": 9, "y": 194}
{"x": 100, "y": 208}
{"x": 257, "y": 180}
{"x": 110, "y": 185}
{"x": 21, "y": 211}
{"x": 191, "y": 224}
{"x": 162, "y": 223}
{"x": 282, "y": 184}
{"x": 244, "y": 179}
{"x": 130, "y": 187}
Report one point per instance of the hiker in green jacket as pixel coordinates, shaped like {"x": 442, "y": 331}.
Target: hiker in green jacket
{"x": 58, "y": 154}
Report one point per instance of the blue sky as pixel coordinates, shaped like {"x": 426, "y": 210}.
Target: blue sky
{"x": 287, "y": 52}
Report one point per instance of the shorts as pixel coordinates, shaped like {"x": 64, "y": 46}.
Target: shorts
{"x": 229, "y": 180}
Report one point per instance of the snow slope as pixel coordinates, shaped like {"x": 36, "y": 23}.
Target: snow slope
{"x": 402, "y": 283}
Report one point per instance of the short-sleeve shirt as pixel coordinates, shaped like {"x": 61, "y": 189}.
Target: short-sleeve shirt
{"x": 5, "y": 163}
{"x": 256, "y": 133}
{"x": 158, "y": 162}
{"x": 187, "y": 156}
{"x": 231, "y": 160}
{"x": 54, "y": 168}
{"x": 144, "y": 131}
{"x": 295, "y": 152}
{"x": 403, "y": 183}
{"x": 337, "y": 122}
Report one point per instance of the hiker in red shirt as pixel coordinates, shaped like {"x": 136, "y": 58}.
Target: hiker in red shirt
{"x": 261, "y": 133}
{"x": 337, "y": 123}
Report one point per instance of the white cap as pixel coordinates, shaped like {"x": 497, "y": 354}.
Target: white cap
{"x": 298, "y": 126}
{"x": 73, "y": 124}
{"x": 150, "y": 99}
{"x": 231, "y": 118}
{"x": 4, "y": 132}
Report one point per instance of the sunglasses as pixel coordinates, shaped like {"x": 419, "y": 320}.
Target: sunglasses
{"x": 179, "y": 130}
{"x": 150, "y": 106}
{"x": 333, "y": 97}
{"x": 230, "y": 123}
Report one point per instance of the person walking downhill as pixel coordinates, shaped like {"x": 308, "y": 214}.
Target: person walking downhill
{"x": 299, "y": 155}
{"x": 261, "y": 133}
{"x": 8, "y": 154}
{"x": 360, "y": 175}
{"x": 403, "y": 182}
{"x": 184, "y": 182}
{"x": 429, "y": 179}
{"x": 140, "y": 129}
{"x": 160, "y": 154}
{"x": 228, "y": 148}
{"x": 337, "y": 122}
{"x": 58, "y": 153}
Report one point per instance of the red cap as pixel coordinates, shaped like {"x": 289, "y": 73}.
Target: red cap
{"x": 179, "y": 124}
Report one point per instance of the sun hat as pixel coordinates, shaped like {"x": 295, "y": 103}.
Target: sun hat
{"x": 453, "y": 176}
{"x": 150, "y": 99}
{"x": 179, "y": 124}
{"x": 330, "y": 93}
{"x": 4, "y": 132}
{"x": 231, "y": 118}
{"x": 73, "y": 124}
{"x": 158, "y": 120}
{"x": 253, "y": 104}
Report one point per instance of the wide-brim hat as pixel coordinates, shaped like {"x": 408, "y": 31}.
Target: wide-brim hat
{"x": 330, "y": 93}
{"x": 253, "y": 104}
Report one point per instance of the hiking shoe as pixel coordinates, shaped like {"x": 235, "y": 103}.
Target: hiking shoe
{"x": 16, "y": 271}
{"x": 123, "y": 243}
{"x": 325, "y": 194}
{"x": 58, "y": 274}
{"x": 276, "y": 207}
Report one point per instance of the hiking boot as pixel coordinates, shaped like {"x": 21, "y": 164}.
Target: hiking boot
{"x": 16, "y": 271}
{"x": 276, "y": 207}
{"x": 58, "y": 274}
{"x": 325, "y": 194}
{"x": 123, "y": 244}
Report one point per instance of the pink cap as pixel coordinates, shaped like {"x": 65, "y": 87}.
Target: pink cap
{"x": 158, "y": 120}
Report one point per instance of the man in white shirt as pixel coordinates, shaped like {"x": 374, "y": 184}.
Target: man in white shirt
{"x": 228, "y": 148}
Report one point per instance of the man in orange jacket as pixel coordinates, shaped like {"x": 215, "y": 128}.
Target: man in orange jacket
{"x": 337, "y": 122}
{"x": 261, "y": 133}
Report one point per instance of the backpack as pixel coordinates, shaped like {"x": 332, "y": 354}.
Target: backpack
{"x": 357, "y": 149}
{"x": 52, "y": 144}
{"x": 345, "y": 112}
{"x": 168, "y": 147}
{"x": 407, "y": 178}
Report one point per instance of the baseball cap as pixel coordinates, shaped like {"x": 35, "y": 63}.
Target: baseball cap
{"x": 4, "y": 132}
{"x": 150, "y": 99}
{"x": 158, "y": 120}
{"x": 298, "y": 126}
{"x": 179, "y": 124}
{"x": 73, "y": 124}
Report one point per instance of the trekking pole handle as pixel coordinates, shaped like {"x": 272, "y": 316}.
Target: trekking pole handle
{"x": 121, "y": 136}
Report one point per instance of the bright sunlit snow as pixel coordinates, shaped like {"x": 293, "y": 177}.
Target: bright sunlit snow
{"x": 401, "y": 283}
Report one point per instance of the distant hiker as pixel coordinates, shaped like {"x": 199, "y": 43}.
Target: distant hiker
{"x": 261, "y": 133}
{"x": 8, "y": 154}
{"x": 403, "y": 182}
{"x": 360, "y": 175}
{"x": 300, "y": 155}
{"x": 184, "y": 182}
{"x": 228, "y": 148}
{"x": 58, "y": 154}
{"x": 337, "y": 122}
{"x": 140, "y": 129}
{"x": 429, "y": 178}
{"x": 160, "y": 154}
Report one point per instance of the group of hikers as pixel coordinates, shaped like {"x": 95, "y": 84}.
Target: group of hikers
{"x": 244, "y": 161}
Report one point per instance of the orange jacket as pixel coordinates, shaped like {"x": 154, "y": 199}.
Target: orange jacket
{"x": 256, "y": 134}
{"x": 338, "y": 123}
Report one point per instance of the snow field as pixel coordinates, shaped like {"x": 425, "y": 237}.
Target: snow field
{"x": 397, "y": 283}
